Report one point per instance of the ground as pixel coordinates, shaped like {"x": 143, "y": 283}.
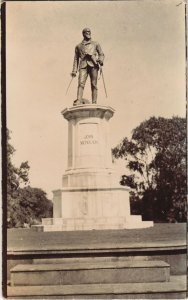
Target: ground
{"x": 28, "y": 239}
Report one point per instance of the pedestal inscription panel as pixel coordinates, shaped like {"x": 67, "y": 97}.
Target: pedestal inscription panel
{"x": 88, "y": 145}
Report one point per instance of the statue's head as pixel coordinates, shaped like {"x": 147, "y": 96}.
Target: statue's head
{"x": 86, "y": 33}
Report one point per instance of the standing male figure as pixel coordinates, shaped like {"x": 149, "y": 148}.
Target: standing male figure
{"x": 88, "y": 57}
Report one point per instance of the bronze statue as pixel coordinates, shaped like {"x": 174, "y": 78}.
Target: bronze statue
{"x": 88, "y": 58}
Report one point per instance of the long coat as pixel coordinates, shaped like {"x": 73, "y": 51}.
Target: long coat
{"x": 87, "y": 53}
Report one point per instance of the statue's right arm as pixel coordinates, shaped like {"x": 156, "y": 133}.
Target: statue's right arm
{"x": 76, "y": 61}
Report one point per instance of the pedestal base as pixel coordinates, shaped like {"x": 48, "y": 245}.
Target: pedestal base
{"x": 56, "y": 224}
{"x": 92, "y": 209}
{"x": 91, "y": 197}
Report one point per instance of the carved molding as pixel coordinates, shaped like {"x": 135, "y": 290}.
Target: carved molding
{"x": 88, "y": 111}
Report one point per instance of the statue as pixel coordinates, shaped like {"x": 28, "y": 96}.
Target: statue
{"x": 88, "y": 59}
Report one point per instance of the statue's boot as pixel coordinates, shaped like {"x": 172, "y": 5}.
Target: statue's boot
{"x": 80, "y": 93}
{"x": 79, "y": 96}
{"x": 94, "y": 96}
{"x": 76, "y": 102}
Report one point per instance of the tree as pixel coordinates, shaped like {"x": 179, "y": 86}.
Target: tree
{"x": 30, "y": 207}
{"x": 15, "y": 178}
{"x": 25, "y": 205}
{"x": 156, "y": 158}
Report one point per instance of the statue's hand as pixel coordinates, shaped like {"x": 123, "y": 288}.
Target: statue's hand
{"x": 73, "y": 74}
{"x": 100, "y": 62}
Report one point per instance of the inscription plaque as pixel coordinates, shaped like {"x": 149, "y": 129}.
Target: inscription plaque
{"x": 88, "y": 142}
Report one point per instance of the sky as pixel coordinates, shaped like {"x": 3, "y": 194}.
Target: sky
{"x": 144, "y": 70}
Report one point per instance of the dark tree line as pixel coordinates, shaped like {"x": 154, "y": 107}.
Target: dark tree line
{"x": 25, "y": 205}
{"x": 156, "y": 162}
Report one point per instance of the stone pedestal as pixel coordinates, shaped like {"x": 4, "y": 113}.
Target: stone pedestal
{"x": 91, "y": 196}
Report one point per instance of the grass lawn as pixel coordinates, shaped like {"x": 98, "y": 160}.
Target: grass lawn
{"x": 28, "y": 239}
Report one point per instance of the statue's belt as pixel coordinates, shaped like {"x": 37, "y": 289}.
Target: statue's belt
{"x": 90, "y": 57}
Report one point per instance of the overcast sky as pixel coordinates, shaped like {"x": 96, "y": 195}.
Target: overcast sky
{"x": 144, "y": 69}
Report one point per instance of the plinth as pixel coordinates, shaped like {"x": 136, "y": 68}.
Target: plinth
{"x": 91, "y": 196}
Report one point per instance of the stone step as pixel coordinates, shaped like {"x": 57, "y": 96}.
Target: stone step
{"x": 89, "y": 259}
{"x": 72, "y": 224}
{"x": 174, "y": 289}
{"x": 90, "y": 272}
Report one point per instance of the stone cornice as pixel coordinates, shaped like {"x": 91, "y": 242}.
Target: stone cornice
{"x": 88, "y": 111}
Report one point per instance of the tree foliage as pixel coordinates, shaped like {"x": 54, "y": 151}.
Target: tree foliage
{"x": 156, "y": 158}
{"x": 25, "y": 205}
{"x": 16, "y": 176}
{"x": 29, "y": 207}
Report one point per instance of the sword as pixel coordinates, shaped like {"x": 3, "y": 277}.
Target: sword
{"x": 101, "y": 71}
{"x": 69, "y": 85}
